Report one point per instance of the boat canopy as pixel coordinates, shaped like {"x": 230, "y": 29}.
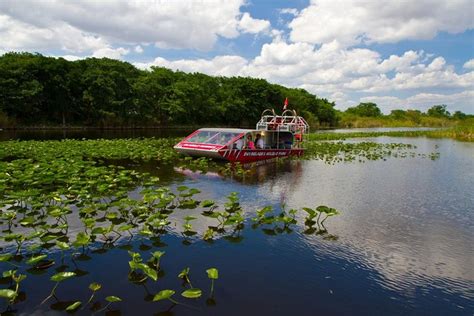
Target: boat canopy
{"x": 288, "y": 121}
{"x": 216, "y": 136}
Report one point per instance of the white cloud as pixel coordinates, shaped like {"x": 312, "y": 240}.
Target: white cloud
{"x": 17, "y": 35}
{"x": 469, "y": 64}
{"x": 332, "y": 68}
{"x": 70, "y": 57}
{"x": 250, "y": 25}
{"x": 353, "y": 22}
{"x": 114, "y": 53}
{"x": 218, "y": 66}
{"x": 290, "y": 11}
{"x": 81, "y": 25}
{"x": 138, "y": 49}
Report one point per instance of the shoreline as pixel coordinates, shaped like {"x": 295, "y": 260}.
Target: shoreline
{"x": 193, "y": 127}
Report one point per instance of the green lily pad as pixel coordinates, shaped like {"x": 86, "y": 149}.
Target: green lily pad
{"x": 212, "y": 273}
{"x": 5, "y": 257}
{"x": 8, "y": 294}
{"x": 95, "y": 286}
{"x": 35, "y": 259}
{"x": 73, "y": 306}
{"x": 163, "y": 295}
{"x": 61, "y": 276}
{"x": 113, "y": 299}
{"x": 192, "y": 293}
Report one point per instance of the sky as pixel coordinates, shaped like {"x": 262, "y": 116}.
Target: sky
{"x": 399, "y": 54}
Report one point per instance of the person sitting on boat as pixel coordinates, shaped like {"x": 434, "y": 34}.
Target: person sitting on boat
{"x": 239, "y": 143}
{"x": 298, "y": 139}
{"x": 250, "y": 143}
{"x": 259, "y": 141}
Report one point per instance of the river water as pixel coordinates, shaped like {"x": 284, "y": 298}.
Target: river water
{"x": 403, "y": 243}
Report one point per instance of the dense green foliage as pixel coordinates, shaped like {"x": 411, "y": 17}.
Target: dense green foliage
{"x": 369, "y": 115}
{"x": 38, "y": 90}
{"x": 365, "y": 109}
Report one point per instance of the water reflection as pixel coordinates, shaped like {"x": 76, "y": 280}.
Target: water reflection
{"x": 410, "y": 220}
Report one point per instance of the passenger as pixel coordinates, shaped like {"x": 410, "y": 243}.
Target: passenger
{"x": 298, "y": 139}
{"x": 259, "y": 141}
{"x": 250, "y": 143}
{"x": 225, "y": 137}
{"x": 239, "y": 143}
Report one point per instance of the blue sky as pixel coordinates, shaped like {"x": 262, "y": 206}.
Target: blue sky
{"x": 398, "y": 54}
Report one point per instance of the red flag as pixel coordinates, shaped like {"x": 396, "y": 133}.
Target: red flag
{"x": 285, "y": 104}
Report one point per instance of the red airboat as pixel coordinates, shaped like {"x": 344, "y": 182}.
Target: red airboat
{"x": 281, "y": 136}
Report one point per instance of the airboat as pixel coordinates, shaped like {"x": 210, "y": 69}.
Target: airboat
{"x": 275, "y": 136}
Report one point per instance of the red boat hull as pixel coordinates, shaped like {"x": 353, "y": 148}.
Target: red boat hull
{"x": 253, "y": 155}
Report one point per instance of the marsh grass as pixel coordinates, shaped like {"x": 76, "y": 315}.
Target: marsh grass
{"x": 459, "y": 132}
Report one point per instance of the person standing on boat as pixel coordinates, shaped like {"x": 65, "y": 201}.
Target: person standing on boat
{"x": 259, "y": 141}
{"x": 250, "y": 143}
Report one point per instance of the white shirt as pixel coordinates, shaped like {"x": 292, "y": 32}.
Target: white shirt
{"x": 239, "y": 143}
{"x": 260, "y": 144}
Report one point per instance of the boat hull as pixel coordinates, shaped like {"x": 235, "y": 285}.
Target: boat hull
{"x": 198, "y": 152}
{"x": 253, "y": 155}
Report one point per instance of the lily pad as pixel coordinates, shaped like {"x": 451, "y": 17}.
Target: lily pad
{"x": 163, "y": 295}
{"x": 192, "y": 293}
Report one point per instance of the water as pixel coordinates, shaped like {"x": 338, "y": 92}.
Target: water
{"x": 402, "y": 245}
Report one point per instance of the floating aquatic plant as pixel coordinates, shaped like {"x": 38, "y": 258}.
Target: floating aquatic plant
{"x": 58, "y": 278}
{"x": 212, "y": 274}
{"x": 165, "y": 295}
{"x": 136, "y": 264}
{"x": 94, "y": 287}
{"x": 192, "y": 293}
{"x": 184, "y": 275}
{"x": 10, "y": 294}
{"x": 110, "y": 299}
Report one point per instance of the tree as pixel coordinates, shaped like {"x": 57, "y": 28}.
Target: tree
{"x": 414, "y": 115}
{"x": 438, "y": 111}
{"x": 458, "y": 115}
{"x": 398, "y": 114}
{"x": 368, "y": 109}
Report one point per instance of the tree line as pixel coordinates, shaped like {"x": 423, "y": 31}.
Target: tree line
{"x": 369, "y": 109}
{"x": 36, "y": 90}
{"x": 436, "y": 115}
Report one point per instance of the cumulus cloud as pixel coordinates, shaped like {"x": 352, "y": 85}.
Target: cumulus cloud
{"x": 290, "y": 11}
{"x": 81, "y": 25}
{"x": 138, "y": 49}
{"x": 250, "y": 25}
{"x": 113, "y": 53}
{"x": 331, "y": 68}
{"x": 17, "y": 35}
{"x": 469, "y": 64}
{"x": 218, "y": 66}
{"x": 353, "y": 22}
{"x": 70, "y": 57}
